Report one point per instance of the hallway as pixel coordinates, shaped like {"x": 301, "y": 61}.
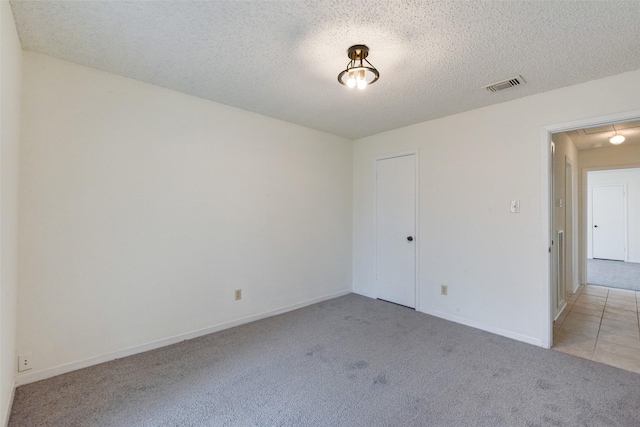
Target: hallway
{"x": 613, "y": 274}
{"x": 601, "y": 324}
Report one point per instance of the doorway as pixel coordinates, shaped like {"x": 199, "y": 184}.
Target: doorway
{"x": 396, "y": 237}
{"x": 598, "y": 322}
{"x": 613, "y": 228}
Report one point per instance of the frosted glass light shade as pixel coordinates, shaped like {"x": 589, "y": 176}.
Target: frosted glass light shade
{"x": 617, "y": 139}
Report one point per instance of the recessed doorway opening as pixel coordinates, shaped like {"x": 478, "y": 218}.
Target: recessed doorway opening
{"x": 594, "y": 303}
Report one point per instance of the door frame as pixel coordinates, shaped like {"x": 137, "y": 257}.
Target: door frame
{"x": 416, "y": 154}
{"x": 572, "y": 213}
{"x": 547, "y": 203}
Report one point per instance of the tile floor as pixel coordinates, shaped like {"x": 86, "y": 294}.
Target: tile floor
{"x": 601, "y": 324}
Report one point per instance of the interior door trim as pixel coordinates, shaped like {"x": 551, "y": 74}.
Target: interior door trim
{"x": 417, "y": 236}
{"x": 546, "y": 131}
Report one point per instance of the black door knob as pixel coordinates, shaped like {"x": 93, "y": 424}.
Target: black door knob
{"x": 595, "y": 226}
{"x": 410, "y": 238}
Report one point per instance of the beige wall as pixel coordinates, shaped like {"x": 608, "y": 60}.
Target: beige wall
{"x": 10, "y": 90}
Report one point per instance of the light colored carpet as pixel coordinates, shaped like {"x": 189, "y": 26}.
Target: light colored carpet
{"x": 614, "y": 274}
{"x": 351, "y": 361}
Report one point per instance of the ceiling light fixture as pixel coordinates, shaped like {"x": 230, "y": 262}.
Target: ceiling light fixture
{"x": 357, "y": 72}
{"x": 616, "y": 139}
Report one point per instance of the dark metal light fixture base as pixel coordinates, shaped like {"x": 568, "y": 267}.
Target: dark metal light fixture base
{"x": 360, "y": 66}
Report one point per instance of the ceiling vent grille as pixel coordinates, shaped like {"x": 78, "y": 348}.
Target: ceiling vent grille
{"x": 505, "y": 84}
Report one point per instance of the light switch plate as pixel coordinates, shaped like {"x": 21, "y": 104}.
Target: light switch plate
{"x": 515, "y": 206}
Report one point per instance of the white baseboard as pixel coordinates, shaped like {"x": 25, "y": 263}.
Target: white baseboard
{"x": 498, "y": 331}
{"x": 575, "y": 287}
{"x": 80, "y": 364}
{"x": 7, "y": 414}
{"x": 365, "y": 294}
{"x": 560, "y": 312}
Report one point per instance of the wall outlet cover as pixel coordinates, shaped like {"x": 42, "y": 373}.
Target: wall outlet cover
{"x": 25, "y": 360}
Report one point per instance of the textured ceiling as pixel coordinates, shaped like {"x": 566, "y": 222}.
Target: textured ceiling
{"x": 281, "y": 58}
{"x": 598, "y": 136}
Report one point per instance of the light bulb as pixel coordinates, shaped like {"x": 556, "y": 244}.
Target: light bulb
{"x": 617, "y": 139}
{"x": 361, "y": 80}
{"x": 351, "y": 81}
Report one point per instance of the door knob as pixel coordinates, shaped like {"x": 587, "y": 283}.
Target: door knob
{"x": 410, "y": 238}
{"x": 595, "y": 226}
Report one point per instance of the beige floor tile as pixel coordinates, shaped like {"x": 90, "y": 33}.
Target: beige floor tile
{"x": 619, "y": 293}
{"x": 588, "y": 305}
{"x": 626, "y": 329}
{"x": 628, "y": 305}
{"x": 584, "y": 317}
{"x": 621, "y": 308}
{"x": 601, "y": 324}
{"x": 591, "y": 298}
{"x": 571, "y": 297}
{"x": 619, "y": 339}
{"x": 624, "y": 316}
{"x": 595, "y": 290}
{"x": 588, "y": 311}
{"x": 620, "y": 322}
{"x": 585, "y": 304}
{"x": 622, "y": 300}
{"x": 580, "y": 324}
{"x": 561, "y": 318}
{"x": 617, "y": 355}
{"x": 586, "y": 352}
{"x": 571, "y": 337}
{"x": 574, "y": 344}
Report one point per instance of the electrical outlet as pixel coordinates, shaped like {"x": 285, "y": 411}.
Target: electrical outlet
{"x": 238, "y": 294}
{"x": 24, "y": 361}
{"x": 443, "y": 289}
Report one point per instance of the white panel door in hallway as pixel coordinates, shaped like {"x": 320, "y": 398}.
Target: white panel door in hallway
{"x": 608, "y": 219}
{"x": 395, "y": 230}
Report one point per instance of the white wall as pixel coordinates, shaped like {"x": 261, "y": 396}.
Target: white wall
{"x": 471, "y": 166}
{"x": 142, "y": 209}
{"x": 630, "y": 178}
{"x": 10, "y": 86}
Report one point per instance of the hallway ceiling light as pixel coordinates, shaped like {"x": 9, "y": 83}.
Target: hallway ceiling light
{"x": 359, "y": 71}
{"x": 617, "y": 139}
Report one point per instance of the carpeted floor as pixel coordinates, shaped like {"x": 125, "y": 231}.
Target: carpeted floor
{"x": 614, "y": 274}
{"x": 351, "y": 361}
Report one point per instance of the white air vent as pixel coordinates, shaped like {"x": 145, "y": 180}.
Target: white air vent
{"x": 505, "y": 84}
